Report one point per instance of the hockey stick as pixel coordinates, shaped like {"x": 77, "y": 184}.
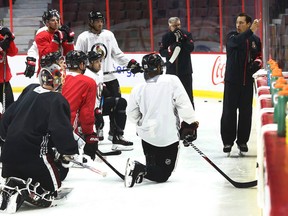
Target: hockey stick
{"x": 116, "y": 71}
{"x": 175, "y": 54}
{"x": 4, "y": 80}
{"x": 173, "y": 57}
{"x": 93, "y": 169}
{"x": 234, "y": 183}
{"x": 106, "y": 72}
{"x": 20, "y": 73}
{"x": 109, "y": 165}
{"x": 110, "y": 153}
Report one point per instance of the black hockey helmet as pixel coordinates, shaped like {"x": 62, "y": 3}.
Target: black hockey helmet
{"x": 51, "y": 76}
{"x": 50, "y": 58}
{"x": 49, "y": 14}
{"x": 75, "y": 57}
{"x": 152, "y": 63}
{"x": 94, "y": 15}
{"x": 92, "y": 55}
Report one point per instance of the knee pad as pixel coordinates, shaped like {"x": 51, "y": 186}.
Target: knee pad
{"x": 120, "y": 104}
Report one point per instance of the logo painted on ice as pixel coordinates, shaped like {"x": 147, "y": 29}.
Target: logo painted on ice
{"x": 218, "y": 71}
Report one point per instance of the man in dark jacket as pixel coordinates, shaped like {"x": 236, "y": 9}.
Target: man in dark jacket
{"x": 243, "y": 60}
{"x": 182, "y": 66}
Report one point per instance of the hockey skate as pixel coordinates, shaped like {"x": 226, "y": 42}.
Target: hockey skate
{"x": 119, "y": 143}
{"x": 134, "y": 173}
{"x": 227, "y": 149}
{"x": 243, "y": 149}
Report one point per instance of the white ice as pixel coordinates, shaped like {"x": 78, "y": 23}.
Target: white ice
{"x": 195, "y": 187}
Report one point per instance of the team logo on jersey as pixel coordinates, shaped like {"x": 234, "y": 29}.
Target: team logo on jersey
{"x": 168, "y": 161}
{"x": 100, "y": 48}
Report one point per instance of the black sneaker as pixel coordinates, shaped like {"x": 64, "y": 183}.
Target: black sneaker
{"x": 134, "y": 173}
{"x": 227, "y": 148}
{"x": 243, "y": 147}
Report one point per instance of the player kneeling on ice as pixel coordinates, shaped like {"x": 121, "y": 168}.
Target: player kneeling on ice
{"x": 156, "y": 107}
{"x": 32, "y": 128}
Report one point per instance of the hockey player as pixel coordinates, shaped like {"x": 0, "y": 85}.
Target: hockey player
{"x": 80, "y": 91}
{"x": 33, "y": 127}
{"x": 32, "y": 55}
{"x": 54, "y": 58}
{"x": 108, "y": 105}
{"x": 157, "y": 120}
{"x": 54, "y": 38}
{"x": 97, "y": 37}
{"x": 7, "y": 48}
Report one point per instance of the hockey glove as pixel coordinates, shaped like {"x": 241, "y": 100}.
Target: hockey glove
{"x": 134, "y": 66}
{"x": 4, "y": 44}
{"x": 189, "y": 131}
{"x": 173, "y": 46}
{"x": 178, "y": 34}
{"x": 6, "y": 32}
{"x": 68, "y": 34}
{"x": 30, "y": 67}
{"x": 91, "y": 145}
{"x": 66, "y": 160}
{"x": 58, "y": 37}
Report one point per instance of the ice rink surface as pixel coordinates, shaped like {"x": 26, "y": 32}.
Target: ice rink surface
{"x": 195, "y": 187}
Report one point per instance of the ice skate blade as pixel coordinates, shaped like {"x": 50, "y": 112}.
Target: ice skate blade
{"x": 242, "y": 154}
{"x": 128, "y": 180}
{"x": 119, "y": 147}
{"x": 228, "y": 154}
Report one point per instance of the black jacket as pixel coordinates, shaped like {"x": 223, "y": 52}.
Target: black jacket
{"x": 242, "y": 50}
{"x": 184, "y": 65}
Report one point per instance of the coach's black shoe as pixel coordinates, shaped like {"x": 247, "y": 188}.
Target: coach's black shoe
{"x": 243, "y": 147}
{"x": 227, "y": 148}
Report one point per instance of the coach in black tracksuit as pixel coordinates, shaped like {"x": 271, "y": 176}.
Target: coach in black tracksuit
{"x": 243, "y": 59}
{"x": 182, "y": 66}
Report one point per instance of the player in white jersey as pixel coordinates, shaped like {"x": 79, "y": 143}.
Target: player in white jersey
{"x": 115, "y": 107}
{"x": 156, "y": 107}
{"x": 97, "y": 37}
